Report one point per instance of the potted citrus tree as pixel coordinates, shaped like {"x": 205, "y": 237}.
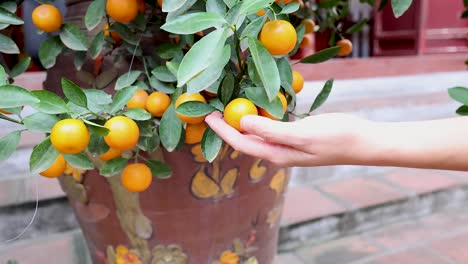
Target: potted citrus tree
{"x": 128, "y": 85}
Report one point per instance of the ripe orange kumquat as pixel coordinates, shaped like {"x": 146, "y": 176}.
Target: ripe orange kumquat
{"x": 194, "y": 133}
{"x": 47, "y": 18}
{"x": 136, "y": 177}
{"x": 123, "y": 133}
{"x": 56, "y": 169}
{"x": 138, "y": 100}
{"x": 346, "y": 47}
{"x": 298, "y": 82}
{"x": 278, "y": 36}
{"x": 70, "y": 136}
{"x": 309, "y": 25}
{"x": 114, "y": 35}
{"x": 141, "y": 6}
{"x": 236, "y": 109}
{"x": 160, "y": 3}
{"x": 123, "y": 11}
{"x": 260, "y": 12}
{"x": 284, "y": 102}
{"x": 306, "y": 41}
{"x": 186, "y": 98}
{"x": 284, "y": 1}
{"x": 110, "y": 154}
{"x": 157, "y": 103}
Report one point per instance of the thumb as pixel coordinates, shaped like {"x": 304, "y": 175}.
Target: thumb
{"x": 270, "y": 130}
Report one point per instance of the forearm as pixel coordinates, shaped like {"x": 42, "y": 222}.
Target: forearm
{"x": 437, "y": 144}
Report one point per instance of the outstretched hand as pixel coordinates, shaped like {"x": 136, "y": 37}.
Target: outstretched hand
{"x": 326, "y": 139}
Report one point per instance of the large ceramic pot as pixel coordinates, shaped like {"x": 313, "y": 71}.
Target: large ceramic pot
{"x": 223, "y": 212}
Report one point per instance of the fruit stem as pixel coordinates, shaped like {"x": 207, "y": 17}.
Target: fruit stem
{"x": 11, "y": 119}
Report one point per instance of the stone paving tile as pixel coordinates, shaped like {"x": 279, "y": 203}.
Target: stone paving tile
{"x": 421, "y": 181}
{"x": 339, "y": 251}
{"x": 362, "y": 191}
{"x": 411, "y": 256}
{"x": 456, "y": 248}
{"x": 304, "y": 203}
{"x": 288, "y": 258}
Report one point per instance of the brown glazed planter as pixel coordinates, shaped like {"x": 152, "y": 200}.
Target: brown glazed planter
{"x": 225, "y": 212}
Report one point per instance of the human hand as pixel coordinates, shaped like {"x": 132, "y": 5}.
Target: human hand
{"x": 326, "y": 139}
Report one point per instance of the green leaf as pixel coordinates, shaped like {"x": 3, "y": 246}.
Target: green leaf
{"x": 258, "y": 96}
{"x": 149, "y": 144}
{"x": 3, "y": 76}
{"x": 159, "y": 170}
{"x": 227, "y": 88}
{"x": 79, "y": 161}
{"x": 121, "y": 98}
{"x": 322, "y": 96}
{"x": 170, "y": 6}
{"x": 290, "y": 8}
{"x": 73, "y": 93}
{"x": 216, "y": 6}
{"x": 203, "y": 54}
{"x": 231, "y": 3}
{"x": 40, "y": 122}
{"x": 96, "y": 45}
{"x": 459, "y": 94}
{"x": 357, "y": 27}
{"x": 170, "y": 129}
{"x": 94, "y": 14}
{"x": 137, "y": 114}
{"x": 73, "y": 38}
{"x": 8, "y": 144}
{"x": 216, "y": 103}
{"x": 163, "y": 74}
{"x": 125, "y": 33}
{"x": 96, "y": 128}
{"x": 465, "y": 3}
{"x": 193, "y": 22}
{"x": 97, "y": 145}
{"x": 146, "y": 128}
{"x": 42, "y": 156}
{"x": 285, "y": 70}
{"x": 113, "y": 167}
{"x": 254, "y": 27}
{"x": 98, "y": 100}
{"x": 7, "y": 45}
{"x": 321, "y": 56}
{"x": 211, "y": 144}
{"x": 266, "y": 68}
{"x": 382, "y": 5}
{"x": 464, "y": 14}
{"x": 79, "y": 59}
{"x": 50, "y": 103}
{"x": 168, "y": 51}
{"x": 211, "y": 74}
{"x": 76, "y": 110}
{"x": 195, "y": 109}
{"x": 15, "y": 96}
{"x": 9, "y": 5}
{"x": 7, "y": 17}
{"x": 105, "y": 78}
{"x": 160, "y": 86}
{"x": 235, "y": 16}
{"x": 399, "y": 7}
{"x": 252, "y": 6}
{"x": 127, "y": 79}
{"x": 20, "y": 67}
{"x": 49, "y": 50}
{"x": 300, "y": 36}
{"x": 462, "y": 110}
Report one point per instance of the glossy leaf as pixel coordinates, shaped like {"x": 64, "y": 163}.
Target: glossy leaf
{"x": 98, "y": 100}
{"x": 96, "y": 128}
{"x": 321, "y": 56}
{"x": 399, "y": 7}
{"x": 42, "y": 156}
{"x": 105, "y": 78}
{"x": 168, "y": 51}
{"x": 7, "y": 17}
{"x": 170, "y": 6}
{"x": 121, "y": 98}
{"x": 125, "y": 33}
{"x": 252, "y": 6}
{"x": 40, "y": 122}
{"x": 73, "y": 93}
{"x": 49, "y": 50}
{"x": 73, "y": 38}
{"x": 357, "y": 27}
{"x": 216, "y": 6}
{"x": 195, "y": 109}
{"x": 170, "y": 129}
{"x": 8, "y": 144}
{"x": 149, "y": 144}
{"x": 50, "y": 103}
{"x": 3, "y": 76}
{"x": 211, "y": 144}
{"x": 322, "y": 96}
{"x": 258, "y": 96}
{"x": 227, "y": 88}
{"x": 127, "y": 79}
{"x": 290, "y": 8}
{"x": 96, "y": 45}
{"x": 160, "y": 86}
{"x": 462, "y": 110}
{"x": 79, "y": 161}
{"x": 254, "y": 27}
{"x": 137, "y": 114}
{"x": 459, "y": 94}
{"x": 113, "y": 167}
{"x": 14, "y": 96}
{"x": 20, "y": 67}
{"x": 163, "y": 74}
{"x": 193, "y": 22}
{"x": 7, "y": 45}
{"x": 94, "y": 14}
{"x": 159, "y": 169}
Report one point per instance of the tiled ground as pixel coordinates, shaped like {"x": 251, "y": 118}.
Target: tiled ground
{"x": 440, "y": 238}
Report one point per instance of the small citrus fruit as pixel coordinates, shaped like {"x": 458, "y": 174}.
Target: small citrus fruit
{"x": 236, "y": 109}
{"x": 157, "y": 103}
{"x": 284, "y": 102}
{"x": 261, "y": 12}
{"x": 306, "y": 41}
{"x": 141, "y": 6}
{"x": 123, "y": 133}
{"x": 186, "y": 98}
{"x": 110, "y": 154}
{"x": 70, "y": 136}
{"x": 47, "y": 18}
{"x": 278, "y": 36}
{"x": 284, "y": 1}
{"x": 346, "y": 47}
{"x": 136, "y": 177}
{"x": 56, "y": 169}
{"x": 123, "y": 11}
{"x": 309, "y": 25}
{"x": 160, "y": 3}
{"x": 298, "y": 82}
{"x": 114, "y": 35}
{"x": 194, "y": 133}
{"x": 138, "y": 100}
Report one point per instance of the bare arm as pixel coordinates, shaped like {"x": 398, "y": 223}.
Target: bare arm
{"x": 333, "y": 139}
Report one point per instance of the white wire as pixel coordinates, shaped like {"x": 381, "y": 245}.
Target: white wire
{"x": 32, "y": 219}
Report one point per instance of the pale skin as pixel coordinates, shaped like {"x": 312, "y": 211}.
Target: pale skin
{"x": 342, "y": 139}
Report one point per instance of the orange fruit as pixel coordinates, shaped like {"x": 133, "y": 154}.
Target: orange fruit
{"x": 141, "y": 6}
{"x": 309, "y": 25}
{"x": 298, "y": 82}
{"x": 160, "y": 3}
{"x": 56, "y": 169}
{"x": 278, "y": 36}
{"x": 70, "y": 136}
{"x": 284, "y": 102}
{"x": 136, "y": 177}
{"x": 117, "y": 38}
{"x": 47, "y": 18}
{"x": 236, "y": 109}
{"x": 138, "y": 100}
{"x": 209, "y": 95}
{"x": 110, "y": 154}
{"x": 284, "y": 1}
{"x": 123, "y": 133}
{"x": 123, "y": 11}
{"x": 306, "y": 41}
{"x": 346, "y": 47}
{"x": 260, "y": 12}
{"x": 186, "y": 98}
{"x": 194, "y": 133}
{"x": 157, "y": 103}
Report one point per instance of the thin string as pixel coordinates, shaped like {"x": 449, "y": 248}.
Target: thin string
{"x": 32, "y": 219}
